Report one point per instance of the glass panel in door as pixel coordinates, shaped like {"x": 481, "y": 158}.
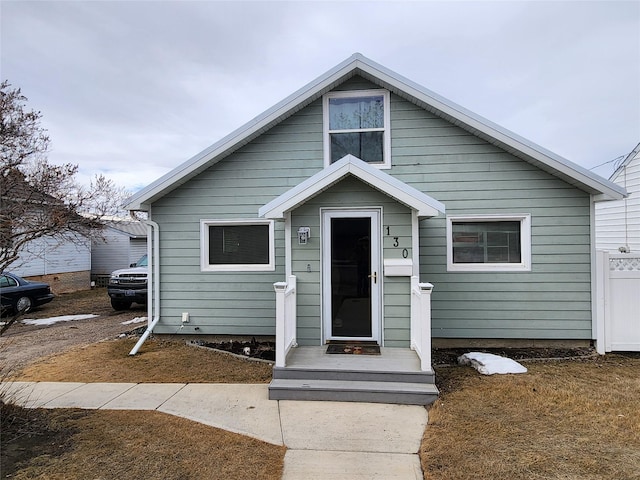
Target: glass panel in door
{"x": 350, "y": 277}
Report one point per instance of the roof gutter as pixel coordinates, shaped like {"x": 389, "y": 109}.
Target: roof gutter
{"x": 153, "y": 279}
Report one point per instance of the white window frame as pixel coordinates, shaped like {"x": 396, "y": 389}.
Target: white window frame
{"x": 386, "y": 148}
{"x": 205, "y": 266}
{"x": 525, "y": 244}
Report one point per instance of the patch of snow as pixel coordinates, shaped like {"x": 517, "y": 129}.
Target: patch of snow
{"x": 135, "y": 320}
{"x": 488, "y": 363}
{"x": 52, "y": 320}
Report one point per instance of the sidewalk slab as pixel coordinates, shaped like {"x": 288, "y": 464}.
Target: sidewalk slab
{"x": 324, "y": 439}
{"x": 240, "y": 408}
{"x": 144, "y": 396}
{"x": 319, "y": 465}
{"x": 90, "y": 395}
{"x": 352, "y": 426}
{"x": 37, "y": 394}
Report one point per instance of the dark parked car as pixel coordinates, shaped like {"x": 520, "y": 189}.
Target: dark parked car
{"x": 20, "y": 295}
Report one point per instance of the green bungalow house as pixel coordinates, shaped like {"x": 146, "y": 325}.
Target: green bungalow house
{"x": 365, "y": 208}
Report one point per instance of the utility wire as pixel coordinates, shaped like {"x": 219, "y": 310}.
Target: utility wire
{"x": 621, "y": 157}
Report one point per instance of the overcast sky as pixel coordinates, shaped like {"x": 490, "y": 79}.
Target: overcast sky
{"x": 133, "y": 89}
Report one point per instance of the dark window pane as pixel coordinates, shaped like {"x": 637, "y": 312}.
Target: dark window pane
{"x": 486, "y": 242}
{"x": 367, "y": 146}
{"x": 7, "y": 282}
{"x": 239, "y": 244}
{"x": 355, "y": 113}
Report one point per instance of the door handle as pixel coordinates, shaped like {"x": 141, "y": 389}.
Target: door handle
{"x": 374, "y": 275}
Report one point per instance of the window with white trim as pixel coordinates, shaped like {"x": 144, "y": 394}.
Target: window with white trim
{"x": 236, "y": 245}
{"x": 489, "y": 243}
{"x": 357, "y": 123}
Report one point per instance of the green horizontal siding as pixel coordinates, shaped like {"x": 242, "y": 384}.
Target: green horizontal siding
{"x": 234, "y": 303}
{"x": 397, "y": 311}
{"x": 472, "y": 178}
{"x": 469, "y": 175}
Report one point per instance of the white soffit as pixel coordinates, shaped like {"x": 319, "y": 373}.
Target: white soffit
{"x": 423, "y": 204}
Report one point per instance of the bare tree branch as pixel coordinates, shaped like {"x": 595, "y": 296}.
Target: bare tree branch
{"x": 39, "y": 199}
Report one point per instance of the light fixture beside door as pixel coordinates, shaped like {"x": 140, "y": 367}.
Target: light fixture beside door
{"x": 304, "y": 233}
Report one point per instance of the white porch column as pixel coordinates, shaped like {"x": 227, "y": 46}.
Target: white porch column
{"x": 425, "y": 314}
{"x": 421, "y": 321}
{"x": 280, "y": 288}
{"x": 286, "y": 315}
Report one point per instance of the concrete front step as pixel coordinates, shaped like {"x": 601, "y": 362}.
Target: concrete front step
{"x": 293, "y": 373}
{"x": 353, "y": 391}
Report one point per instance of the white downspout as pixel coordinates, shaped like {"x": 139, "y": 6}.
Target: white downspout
{"x": 153, "y": 279}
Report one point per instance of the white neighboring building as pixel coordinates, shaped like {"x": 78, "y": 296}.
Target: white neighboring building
{"x": 121, "y": 243}
{"x": 618, "y": 221}
{"x": 64, "y": 264}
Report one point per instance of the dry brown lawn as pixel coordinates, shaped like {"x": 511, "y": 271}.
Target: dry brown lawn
{"x": 577, "y": 419}
{"x": 570, "y": 419}
{"x": 564, "y": 420}
{"x": 82, "y": 444}
{"x": 158, "y": 361}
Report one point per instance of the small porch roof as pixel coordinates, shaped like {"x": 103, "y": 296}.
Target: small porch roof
{"x": 423, "y": 204}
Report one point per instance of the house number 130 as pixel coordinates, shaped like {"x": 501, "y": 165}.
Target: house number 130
{"x": 396, "y": 243}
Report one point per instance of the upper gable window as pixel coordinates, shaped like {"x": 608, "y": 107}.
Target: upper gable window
{"x": 357, "y": 123}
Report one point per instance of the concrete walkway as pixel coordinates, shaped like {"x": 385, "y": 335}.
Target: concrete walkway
{"x": 324, "y": 439}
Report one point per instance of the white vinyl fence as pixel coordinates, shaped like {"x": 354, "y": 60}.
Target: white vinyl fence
{"x": 618, "y": 302}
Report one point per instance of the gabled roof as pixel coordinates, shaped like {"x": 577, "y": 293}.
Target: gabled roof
{"x": 350, "y": 165}
{"x": 357, "y": 64}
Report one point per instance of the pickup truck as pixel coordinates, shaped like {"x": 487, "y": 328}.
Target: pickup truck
{"x": 129, "y": 285}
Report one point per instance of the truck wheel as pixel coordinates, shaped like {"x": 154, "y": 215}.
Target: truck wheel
{"x": 120, "y": 304}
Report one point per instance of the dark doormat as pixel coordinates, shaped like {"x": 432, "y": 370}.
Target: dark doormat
{"x": 353, "y": 349}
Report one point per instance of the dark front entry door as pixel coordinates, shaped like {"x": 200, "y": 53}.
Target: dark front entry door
{"x": 350, "y": 270}
{"x": 353, "y": 276}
